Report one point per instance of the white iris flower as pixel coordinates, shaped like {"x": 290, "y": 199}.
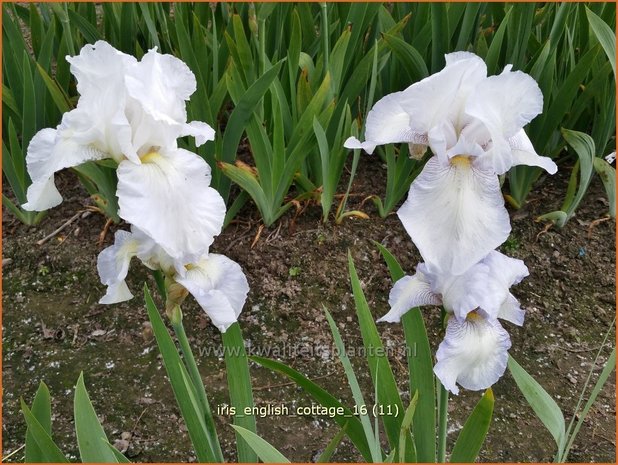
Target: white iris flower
{"x": 134, "y": 112}
{"x": 474, "y": 351}
{"x": 473, "y": 124}
{"x": 217, "y": 283}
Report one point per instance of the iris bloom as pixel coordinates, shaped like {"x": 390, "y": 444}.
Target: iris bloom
{"x": 134, "y": 112}
{"x": 217, "y": 283}
{"x": 473, "y": 124}
{"x": 473, "y": 353}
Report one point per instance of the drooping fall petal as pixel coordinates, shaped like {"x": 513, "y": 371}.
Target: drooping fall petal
{"x": 168, "y": 197}
{"x": 113, "y": 266}
{"x": 473, "y": 354}
{"x": 219, "y": 286}
{"x": 47, "y": 154}
{"x": 455, "y": 214}
{"x": 409, "y": 292}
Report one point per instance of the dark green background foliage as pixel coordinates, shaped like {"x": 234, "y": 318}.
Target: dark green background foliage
{"x": 297, "y": 79}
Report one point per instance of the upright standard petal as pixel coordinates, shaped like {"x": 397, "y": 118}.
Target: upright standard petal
{"x": 407, "y": 293}
{"x": 162, "y": 83}
{"x": 113, "y": 266}
{"x": 455, "y": 214}
{"x": 507, "y": 102}
{"x": 168, "y": 197}
{"x": 158, "y": 87}
{"x": 48, "y": 153}
{"x": 503, "y": 272}
{"x": 442, "y": 96}
{"x": 408, "y": 115}
{"x": 100, "y": 122}
{"x": 504, "y": 104}
{"x": 461, "y": 294}
{"x": 100, "y": 119}
{"x": 473, "y": 354}
{"x": 219, "y": 286}
{"x": 484, "y": 285}
{"x": 99, "y": 67}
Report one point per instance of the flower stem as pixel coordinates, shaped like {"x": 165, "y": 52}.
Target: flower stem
{"x": 240, "y": 388}
{"x": 442, "y": 422}
{"x": 194, "y": 373}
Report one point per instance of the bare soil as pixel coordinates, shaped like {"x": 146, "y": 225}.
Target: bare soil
{"x": 53, "y": 327}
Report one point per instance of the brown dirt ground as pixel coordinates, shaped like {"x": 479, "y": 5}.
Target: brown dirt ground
{"x": 53, "y": 327}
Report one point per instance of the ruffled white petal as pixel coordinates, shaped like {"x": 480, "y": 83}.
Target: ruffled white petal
{"x": 484, "y": 285}
{"x": 116, "y": 292}
{"x": 158, "y": 87}
{"x": 161, "y": 84}
{"x": 100, "y": 119}
{"x": 441, "y": 139}
{"x": 463, "y": 293}
{"x": 507, "y": 101}
{"x": 510, "y": 310}
{"x": 99, "y": 68}
{"x": 100, "y": 122}
{"x": 389, "y": 121}
{"x": 153, "y": 256}
{"x": 219, "y": 286}
{"x": 113, "y": 266}
{"x": 40, "y": 151}
{"x": 48, "y": 152}
{"x": 442, "y": 96}
{"x": 445, "y": 143}
{"x": 455, "y": 214}
{"x": 202, "y": 132}
{"x": 473, "y": 353}
{"x": 504, "y": 104}
{"x": 408, "y": 116}
{"x": 353, "y": 143}
{"x": 168, "y": 197}
{"x": 524, "y": 153}
{"x": 506, "y": 270}
{"x": 42, "y": 193}
{"x": 407, "y": 293}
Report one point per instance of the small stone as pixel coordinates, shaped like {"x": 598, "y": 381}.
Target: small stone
{"x": 122, "y": 445}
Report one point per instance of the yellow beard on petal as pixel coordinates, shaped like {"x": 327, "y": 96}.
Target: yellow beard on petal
{"x": 461, "y": 161}
{"x": 150, "y": 157}
{"x": 473, "y": 315}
